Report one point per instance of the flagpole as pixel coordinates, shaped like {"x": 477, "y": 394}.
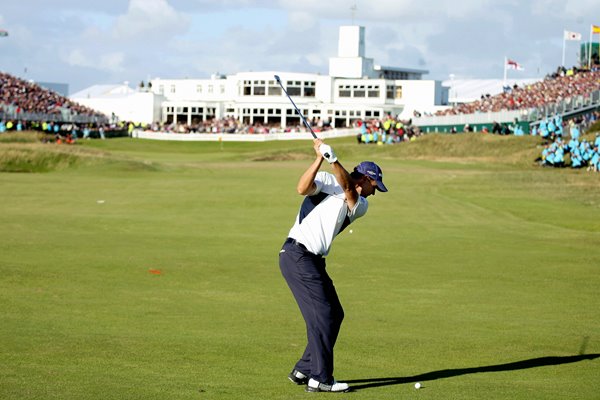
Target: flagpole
{"x": 564, "y": 41}
{"x": 590, "y": 49}
{"x": 504, "y": 83}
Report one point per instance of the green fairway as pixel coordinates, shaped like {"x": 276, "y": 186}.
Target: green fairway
{"x": 151, "y": 272}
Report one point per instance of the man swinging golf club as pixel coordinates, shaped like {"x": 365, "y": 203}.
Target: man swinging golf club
{"x": 331, "y": 203}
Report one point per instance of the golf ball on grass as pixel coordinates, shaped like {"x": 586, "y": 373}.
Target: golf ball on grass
{"x": 351, "y": 231}
{"x": 418, "y": 385}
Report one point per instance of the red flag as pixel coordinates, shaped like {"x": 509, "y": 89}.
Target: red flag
{"x": 510, "y": 64}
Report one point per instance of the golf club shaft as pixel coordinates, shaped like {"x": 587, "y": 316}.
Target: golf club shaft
{"x": 297, "y": 110}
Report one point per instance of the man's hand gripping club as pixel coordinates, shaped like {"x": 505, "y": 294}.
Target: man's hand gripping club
{"x": 326, "y": 151}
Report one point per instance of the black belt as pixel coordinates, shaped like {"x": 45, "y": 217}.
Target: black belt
{"x": 296, "y": 243}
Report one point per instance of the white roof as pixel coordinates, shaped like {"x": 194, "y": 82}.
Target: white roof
{"x": 109, "y": 91}
{"x": 466, "y": 90}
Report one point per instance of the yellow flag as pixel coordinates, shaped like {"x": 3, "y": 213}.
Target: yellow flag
{"x": 595, "y": 29}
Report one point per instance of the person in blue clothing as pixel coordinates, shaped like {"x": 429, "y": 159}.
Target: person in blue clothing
{"x": 576, "y": 160}
{"x": 559, "y": 156}
{"x": 362, "y": 132}
{"x": 594, "y": 164}
{"x": 518, "y": 131}
{"x": 585, "y": 150}
{"x": 551, "y": 129}
{"x": 573, "y": 144}
{"x": 575, "y": 132}
{"x": 549, "y": 158}
{"x": 558, "y": 124}
{"x": 544, "y": 129}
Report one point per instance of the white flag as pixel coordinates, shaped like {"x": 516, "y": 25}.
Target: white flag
{"x": 572, "y": 35}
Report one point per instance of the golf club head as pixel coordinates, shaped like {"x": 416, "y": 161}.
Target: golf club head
{"x": 277, "y": 79}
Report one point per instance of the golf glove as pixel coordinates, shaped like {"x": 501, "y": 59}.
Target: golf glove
{"x": 327, "y": 153}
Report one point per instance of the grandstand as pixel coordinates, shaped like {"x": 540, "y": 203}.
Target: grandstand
{"x": 22, "y": 100}
{"x": 568, "y": 93}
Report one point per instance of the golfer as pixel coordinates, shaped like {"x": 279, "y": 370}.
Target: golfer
{"x": 331, "y": 203}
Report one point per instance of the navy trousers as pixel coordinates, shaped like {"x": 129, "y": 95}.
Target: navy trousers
{"x": 320, "y": 306}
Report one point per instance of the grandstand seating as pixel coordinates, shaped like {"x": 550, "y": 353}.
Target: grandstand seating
{"x": 552, "y": 89}
{"x": 25, "y": 100}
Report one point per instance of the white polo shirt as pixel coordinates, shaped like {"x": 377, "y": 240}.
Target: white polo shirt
{"x": 324, "y": 214}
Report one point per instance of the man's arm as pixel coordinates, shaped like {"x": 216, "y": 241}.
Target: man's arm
{"x": 341, "y": 175}
{"x": 306, "y": 184}
{"x": 346, "y": 182}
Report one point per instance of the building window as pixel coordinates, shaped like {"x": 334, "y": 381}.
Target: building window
{"x": 259, "y": 88}
{"x": 398, "y": 92}
{"x": 274, "y": 89}
{"x": 221, "y": 89}
{"x": 247, "y": 88}
{"x": 294, "y": 88}
{"x": 172, "y": 88}
{"x": 198, "y": 88}
{"x": 210, "y": 89}
{"x": 309, "y": 89}
{"x": 359, "y": 91}
{"x": 389, "y": 92}
{"x": 372, "y": 91}
{"x": 344, "y": 91}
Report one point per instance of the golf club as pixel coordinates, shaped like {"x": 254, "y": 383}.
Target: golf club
{"x": 298, "y": 111}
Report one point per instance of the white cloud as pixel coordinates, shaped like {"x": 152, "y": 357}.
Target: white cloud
{"x": 117, "y": 40}
{"x": 150, "y": 19}
{"x": 301, "y": 20}
{"x": 76, "y": 58}
{"x": 110, "y": 62}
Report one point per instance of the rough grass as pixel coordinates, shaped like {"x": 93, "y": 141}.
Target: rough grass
{"x": 595, "y": 128}
{"x": 24, "y": 156}
{"x": 462, "y": 148}
{"x": 21, "y": 137}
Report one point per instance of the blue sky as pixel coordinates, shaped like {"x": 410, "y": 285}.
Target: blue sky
{"x": 111, "y": 41}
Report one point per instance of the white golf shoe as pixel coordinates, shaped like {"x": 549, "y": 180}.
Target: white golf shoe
{"x": 298, "y": 377}
{"x": 334, "y": 387}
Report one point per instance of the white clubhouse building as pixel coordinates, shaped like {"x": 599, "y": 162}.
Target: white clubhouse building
{"x": 355, "y": 89}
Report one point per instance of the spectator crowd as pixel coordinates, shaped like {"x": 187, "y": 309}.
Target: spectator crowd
{"x": 388, "y": 130}
{"x": 565, "y": 145}
{"x": 232, "y": 125}
{"x": 581, "y": 154}
{"x": 27, "y": 97}
{"x": 559, "y": 86}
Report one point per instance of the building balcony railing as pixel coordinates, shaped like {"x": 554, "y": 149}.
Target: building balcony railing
{"x": 570, "y": 106}
{"x": 10, "y": 112}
